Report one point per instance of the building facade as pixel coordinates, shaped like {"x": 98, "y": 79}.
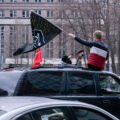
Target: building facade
{"x": 15, "y": 29}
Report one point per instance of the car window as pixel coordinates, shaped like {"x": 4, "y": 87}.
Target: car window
{"x": 81, "y": 83}
{"x": 25, "y": 117}
{"x": 8, "y": 82}
{"x": 42, "y": 83}
{"x": 109, "y": 84}
{"x": 89, "y": 114}
{"x": 51, "y": 114}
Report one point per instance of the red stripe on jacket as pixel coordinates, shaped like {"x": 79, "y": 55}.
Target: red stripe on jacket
{"x": 100, "y": 60}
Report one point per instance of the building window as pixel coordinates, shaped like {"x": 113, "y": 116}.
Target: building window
{"x": 2, "y": 37}
{"x": 2, "y": 13}
{"x": 13, "y": 13}
{"x": 62, "y": 47}
{"x": 26, "y": 1}
{"x": 25, "y": 13}
{"x": 25, "y": 37}
{"x": 88, "y": 1}
{"x": 50, "y": 1}
{"x": 2, "y": 40}
{"x": 62, "y": 14}
{"x": 1, "y": 45}
{"x": 38, "y": 12}
{"x": 60, "y": 1}
{"x": 1, "y": 1}
{"x": 12, "y": 40}
{"x": 80, "y": 1}
{"x": 50, "y": 50}
{"x": 74, "y": 14}
{"x": 37, "y": 1}
{"x": 49, "y": 14}
{"x": 13, "y": 1}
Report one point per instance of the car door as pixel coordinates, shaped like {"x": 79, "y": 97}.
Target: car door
{"x": 110, "y": 93}
{"x": 82, "y": 86}
{"x": 42, "y": 83}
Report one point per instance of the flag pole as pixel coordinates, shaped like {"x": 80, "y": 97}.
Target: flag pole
{"x": 64, "y": 32}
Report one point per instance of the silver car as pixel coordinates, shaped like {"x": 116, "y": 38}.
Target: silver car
{"x": 37, "y": 108}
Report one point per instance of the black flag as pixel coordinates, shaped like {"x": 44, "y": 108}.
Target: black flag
{"x": 42, "y": 31}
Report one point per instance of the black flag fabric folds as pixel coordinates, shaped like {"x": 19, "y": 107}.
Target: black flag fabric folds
{"x": 42, "y": 31}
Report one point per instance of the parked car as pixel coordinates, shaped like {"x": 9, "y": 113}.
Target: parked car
{"x": 100, "y": 88}
{"x": 36, "y": 108}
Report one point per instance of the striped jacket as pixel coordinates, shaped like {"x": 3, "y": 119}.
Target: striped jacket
{"x": 98, "y": 52}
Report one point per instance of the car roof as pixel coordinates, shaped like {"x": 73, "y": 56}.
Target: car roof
{"x": 11, "y": 103}
{"x": 70, "y": 69}
{"x": 11, "y": 72}
{"x": 56, "y": 69}
{"x": 65, "y": 69}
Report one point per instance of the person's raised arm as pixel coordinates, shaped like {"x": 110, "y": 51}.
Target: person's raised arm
{"x": 82, "y": 41}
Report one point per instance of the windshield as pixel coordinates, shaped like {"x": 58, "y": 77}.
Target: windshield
{"x": 8, "y": 82}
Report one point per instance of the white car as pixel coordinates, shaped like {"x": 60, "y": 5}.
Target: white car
{"x": 37, "y": 108}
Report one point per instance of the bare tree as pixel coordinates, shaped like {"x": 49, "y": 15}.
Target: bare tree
{"x": 84, "y": 18}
